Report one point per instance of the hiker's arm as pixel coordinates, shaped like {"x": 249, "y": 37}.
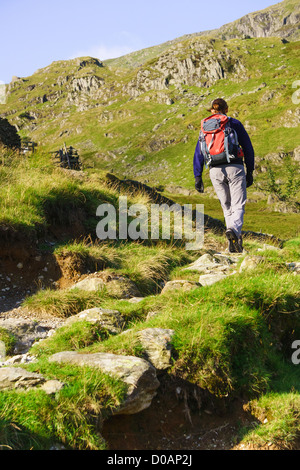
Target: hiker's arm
{"x": 198, "y": 169}
{"x": 198, "y": 161}
{"x": 246, "y": 144}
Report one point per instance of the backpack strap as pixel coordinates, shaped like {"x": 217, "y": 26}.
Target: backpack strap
{"x": 204, "y": 149}
{"x": 226, "y": 137}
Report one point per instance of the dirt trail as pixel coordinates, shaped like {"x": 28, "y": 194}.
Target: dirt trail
{"x": 21, "y": 277}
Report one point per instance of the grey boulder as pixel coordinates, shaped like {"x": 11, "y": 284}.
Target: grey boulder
{"x": 138, "y": 374}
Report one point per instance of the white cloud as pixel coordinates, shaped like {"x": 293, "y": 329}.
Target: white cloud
{"x": 104, "y": 52}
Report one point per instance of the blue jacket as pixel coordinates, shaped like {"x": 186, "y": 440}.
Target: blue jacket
{"x": 244, "y": 141}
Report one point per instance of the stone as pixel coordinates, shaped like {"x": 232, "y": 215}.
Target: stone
{"x": 208, "y": 263}
{"x": 89, "y": 284}
{"x": 184, "y": 285}
{"x": 203, "y": 263}
{"x": 52, "y": 386}
{"x": 209, "y": 279}
{"x": 116, "y": 285}
{"x": 156, "y": 343}
{"x": 297, "y": 154}
{"x": 135, "y": 300}
{"x": 138, "y": 374}
{"x": 250, "y": 262}
{"x": 112, "y": 320}
{"x": 25, "y": 331}
{"x": 12, "y": 378}
{"x": 2, "y": 350}
{"x": 268, "y": 247}
{"x": 20, "y": 359}
{"x": 294, "y": 267}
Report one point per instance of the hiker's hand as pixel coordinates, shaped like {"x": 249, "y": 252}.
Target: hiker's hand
{"x": 249, "y": 179}
{"x": 199, "y": 186}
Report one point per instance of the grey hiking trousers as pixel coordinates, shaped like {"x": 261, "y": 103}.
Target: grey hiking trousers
{"x": 229, "y": 182}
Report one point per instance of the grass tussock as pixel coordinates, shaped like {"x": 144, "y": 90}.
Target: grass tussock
{"x": 63, "y": 303}
{"x": 278, "y": 417}
{"x": 34, "y": 420}
{"x": 35, "y": 194}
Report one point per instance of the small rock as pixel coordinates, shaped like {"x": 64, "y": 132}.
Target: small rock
{"x": 209, "y": 279}
{"x": 138, "y": 374}
{"x": 134, "y": 300}
{"x": 52, "y": 386}
{"x": 20, "y": 359}
{"x": 89, "y": 284}
{"x": 182, "y": 284}
{"x": 26, "y": 332}
{"x": 2, "y": 350}
{"x": 268, "y": 247}
{"x": 156, "y": 342}
{"x": 250, "y": 262}
{"x": 112, "y": 320}
{"x": 115, "y": 285}
{"x": 16, "y": 377}
{"x": 206, "y": 260}
{"x": 294, "y": 267}
{"x": 209, "y": 263}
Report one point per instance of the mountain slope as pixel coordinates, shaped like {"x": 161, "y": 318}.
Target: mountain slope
{"x": 142, "y": 121}
{"x": 280, "y": 20}
{"x": 228, "y": 368}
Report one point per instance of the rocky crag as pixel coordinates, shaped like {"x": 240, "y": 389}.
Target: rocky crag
{"x": 9, "y": 136}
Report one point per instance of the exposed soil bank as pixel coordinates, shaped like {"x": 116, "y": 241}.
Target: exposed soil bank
{"x": 181, "y": 417}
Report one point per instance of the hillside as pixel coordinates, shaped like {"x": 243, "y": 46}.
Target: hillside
{"x": 139, "y": 115}
{"x": 143, "y": 123}
{"x": 209, "y": 339}
{"x": 140, "y": 343}
{"x": 281, "y": 20}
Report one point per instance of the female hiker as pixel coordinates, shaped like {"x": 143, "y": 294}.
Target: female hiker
{"x": 224, "y": 147}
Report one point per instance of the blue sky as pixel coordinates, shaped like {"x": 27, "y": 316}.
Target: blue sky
{"x": 34, "y": 33}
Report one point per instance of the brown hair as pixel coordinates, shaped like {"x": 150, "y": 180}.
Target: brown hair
{"x": 219, "y": 106}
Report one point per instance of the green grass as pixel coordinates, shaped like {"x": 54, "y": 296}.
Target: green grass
{"x": 147, "y": 266}
{"x": 72, "y": 338}
{"x": 130, "y": 121}
{"x": 36, "y": 194}
{"x": 9, "y": 341}
{"x": 278, "y": 421}
{"x": 258, "y": 216}
{"x": 218, "y": 323}
{"x": 63, "y": 303}
{"x": 33, "y": 420}
{"x": 232, "y": 339}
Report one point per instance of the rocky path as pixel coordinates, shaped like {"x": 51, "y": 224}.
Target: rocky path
{"x": 27, "y": 327}
{"x": 179, "y": 415}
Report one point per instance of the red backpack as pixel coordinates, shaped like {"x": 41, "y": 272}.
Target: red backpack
{"x": 218, "y": 141}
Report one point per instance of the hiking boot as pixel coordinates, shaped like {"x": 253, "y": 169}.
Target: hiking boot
{"x": 233, "y": 241}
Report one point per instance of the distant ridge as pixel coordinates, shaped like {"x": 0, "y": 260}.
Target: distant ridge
{"x": 279, "y": 20}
